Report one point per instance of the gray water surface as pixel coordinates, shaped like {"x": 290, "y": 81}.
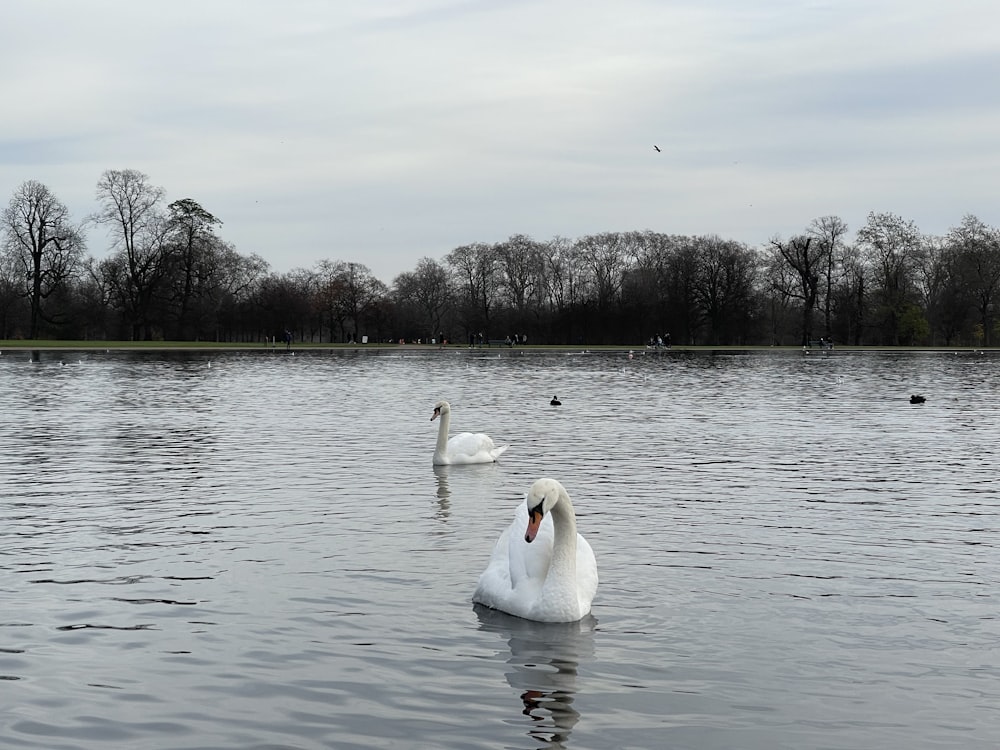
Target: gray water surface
{"x": 252, "y": 550}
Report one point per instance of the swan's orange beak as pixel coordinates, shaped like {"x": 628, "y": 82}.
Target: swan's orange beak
{"x": 534, "y": 521}
{"x": 435, "y": 414}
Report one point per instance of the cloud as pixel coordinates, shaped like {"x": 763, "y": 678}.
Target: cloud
{"x": 398, "y": 130}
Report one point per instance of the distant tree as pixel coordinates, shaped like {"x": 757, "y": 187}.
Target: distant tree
{"x": 476, "y": 283}
{"x": 240, "y": 278}
{"x": 427, "y": 291}
{"x": 605, "y": 261}
{"x": 828, "y": 232}
{"x": 642, "y": 295}
{"x": 193, "y": 245}
{"x": 563, "y": 292}
{"x": 44, "y": 245}
{"x": 519, "y": 260}
{"x": 808, "y": 261}
{"x": 944, "y": 301}
{"x": 893, "y": 247}
{"x": 362, "y": 294}
{"x": 349, "y": 294}
{"x": 608, "y": 262}
{"x": 11, "y": 297}
{"x": 96, "y": 307}
{"x": 852, "y": 294}
{"x": 131, "y": 208}
{"x": 283, "y": 303}
{"x": 725, "y": 288}
{"x": 783, "y": 311}
{"x": 681, "y": 284}
{"x": 978, "y": 247}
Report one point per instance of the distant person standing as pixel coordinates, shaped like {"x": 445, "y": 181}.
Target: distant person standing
{"x": 288, "y": 339}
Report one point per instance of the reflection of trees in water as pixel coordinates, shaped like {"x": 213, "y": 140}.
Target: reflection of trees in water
{"x": 544, "y": 658}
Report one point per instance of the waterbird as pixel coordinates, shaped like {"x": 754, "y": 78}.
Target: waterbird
{"x": 463, "y": 448}
{"x": 541, "y": 568}
{"x": 917, "y": 399}
{"x": 555, "y": 401}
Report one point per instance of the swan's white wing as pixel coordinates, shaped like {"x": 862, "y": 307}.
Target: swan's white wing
{"x": 473, "y": 448}
{"x": 513, "y": 579}
{"x": 586, "y": 573}
{"x": 494, "y": 588}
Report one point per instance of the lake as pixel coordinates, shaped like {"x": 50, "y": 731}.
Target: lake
{"x": 252, "y": 550}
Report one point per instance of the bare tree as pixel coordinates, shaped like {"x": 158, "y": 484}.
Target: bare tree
{"x": 193, "y": 242}
{"x": 131, "y": 209}
{"x": 43, "y": 243}
{"x": 944, "y": 301}
{"x": 605, "y": 254}
{"x": 853, "y": 292}
{"x": 724, "y": 287}
{"x": 240, "y": 279}
{"x": 781, "y": 279}
{"x": 283, "y": 303}
{"x": 519, "y": 259}
{"x": 349, "y": 293}
{"x": 979, "y": 249}
{"x": 893, "y": 247}
{"x": 428, "y": 291}
{"x": 808, "y": 261}
{"x": 11, "y": 294}
{"x": 563, "y": 289}
{"x": 829, "y": 232}
{"x": 477, "y": 282}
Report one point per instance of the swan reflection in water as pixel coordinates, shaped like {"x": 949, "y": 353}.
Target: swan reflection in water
{"x": 544, "y": 657}
{"x": 443, "y": 492}
{"x": 475, "y": 482}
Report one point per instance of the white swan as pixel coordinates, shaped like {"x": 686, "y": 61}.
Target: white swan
{"x": 541, "y": 568}
{"x": 465, "y": 447}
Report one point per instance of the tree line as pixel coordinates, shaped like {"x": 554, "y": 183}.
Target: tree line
{"x": 170, "y": 275}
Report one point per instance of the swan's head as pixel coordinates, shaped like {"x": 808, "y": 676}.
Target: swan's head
{"x": 542, "y": 496}
{"x": 441, "y": 407}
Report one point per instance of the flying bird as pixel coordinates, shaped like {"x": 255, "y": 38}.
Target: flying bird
{"x": 657, "y": 148}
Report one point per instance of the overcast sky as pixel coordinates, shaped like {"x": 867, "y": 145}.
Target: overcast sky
{"x": 384, "y": 131}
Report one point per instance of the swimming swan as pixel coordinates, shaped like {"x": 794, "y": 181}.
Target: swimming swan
{"x": 463, "y": 448}
{"x": 541, "y": 568}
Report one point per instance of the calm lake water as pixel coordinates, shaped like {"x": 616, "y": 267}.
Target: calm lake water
{"x": 252, "y": 550}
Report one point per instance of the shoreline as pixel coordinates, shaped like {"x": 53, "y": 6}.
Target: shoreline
{"x": 21, "y": 345}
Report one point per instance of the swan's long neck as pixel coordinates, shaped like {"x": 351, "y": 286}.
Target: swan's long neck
{"x": 564, "y": 543}
{"x": 442, "y": 443}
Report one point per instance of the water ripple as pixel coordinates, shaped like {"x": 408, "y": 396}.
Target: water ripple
{"x": 258, "y": 554}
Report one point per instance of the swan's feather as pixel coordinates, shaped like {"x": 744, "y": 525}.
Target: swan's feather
{"x": 516, "y": 578}
{"x": 473, "y": 448}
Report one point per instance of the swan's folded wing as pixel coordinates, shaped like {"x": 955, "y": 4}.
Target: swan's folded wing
{"x": 494, "y": 585}
{"x": 586, "y": 572}
{"x": 468, "y": 447}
